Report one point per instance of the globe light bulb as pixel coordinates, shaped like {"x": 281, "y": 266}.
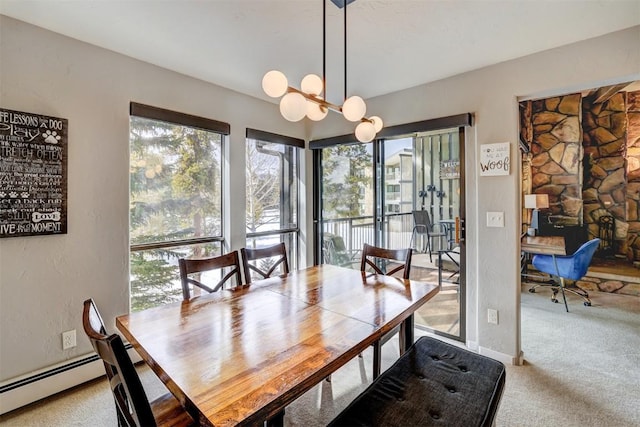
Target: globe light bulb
{"x": 293, "y": 106}
{"x": 311, "y": 84}
{"x": 354, "y": 109}
{"x": 274, "y": 84}
{"x": 377, "y": 123}
{"x": 316, "y": 112}
{"x": 365, "y": 132}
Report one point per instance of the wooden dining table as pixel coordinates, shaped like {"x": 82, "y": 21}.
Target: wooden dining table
{"x": 240, "y": 356}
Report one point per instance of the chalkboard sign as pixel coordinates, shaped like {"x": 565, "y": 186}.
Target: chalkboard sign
{"x": 33, "y": 174}
{"x": 450, "y": 169}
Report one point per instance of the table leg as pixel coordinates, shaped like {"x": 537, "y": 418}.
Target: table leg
{"x": 377, "y": 359}
{"x": 277, "y": 420}
{"x": 408, "y": 332}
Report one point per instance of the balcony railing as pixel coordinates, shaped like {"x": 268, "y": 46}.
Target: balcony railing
{"x": 356, "y": 231}
{"x": 392, "y": 176}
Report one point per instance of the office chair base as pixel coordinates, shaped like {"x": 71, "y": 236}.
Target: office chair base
{"x": 555, "y": 288}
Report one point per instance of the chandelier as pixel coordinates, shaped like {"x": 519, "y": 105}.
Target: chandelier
{"x": 309, "y": 101}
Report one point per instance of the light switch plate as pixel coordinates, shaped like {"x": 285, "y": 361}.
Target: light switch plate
{"x": 492, "y": 316}
{"x": 495, "y": 219}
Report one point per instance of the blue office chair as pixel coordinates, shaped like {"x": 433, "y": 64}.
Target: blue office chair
{"x": 572, "y": 267}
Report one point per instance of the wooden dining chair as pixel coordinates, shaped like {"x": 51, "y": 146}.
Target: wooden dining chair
{"x": 387, "y": 262}
{"x": 269, "y": 259}
{"x": 132, "y": 406}
{"x": 190, "y": 266}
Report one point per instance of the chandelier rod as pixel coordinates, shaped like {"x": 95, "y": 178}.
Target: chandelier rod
{"x": 324, "y": 48}
{"x": 345, "y": 49}
{"x": 296, "y": 103}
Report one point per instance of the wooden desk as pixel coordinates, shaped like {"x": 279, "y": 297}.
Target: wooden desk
{"x": 547, "y": 245}
{"x": 240, "y": 356}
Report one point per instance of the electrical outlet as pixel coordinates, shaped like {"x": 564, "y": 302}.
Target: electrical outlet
{"x": 68, "y": 339}
{"x": 495, "y": 219}
{"x": 492, "y": 316}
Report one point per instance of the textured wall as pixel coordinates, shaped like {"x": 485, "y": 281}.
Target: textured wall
{"x": 633, "y": 175}
{"x": 557, "y": 151}
{"x": 605, "y": 137}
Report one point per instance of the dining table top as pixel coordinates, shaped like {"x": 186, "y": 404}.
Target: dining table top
{"x": 239, "y": 356}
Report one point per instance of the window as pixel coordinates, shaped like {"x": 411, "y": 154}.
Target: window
{"x": 175, "y": 199}
{"x": 272, "y": 191}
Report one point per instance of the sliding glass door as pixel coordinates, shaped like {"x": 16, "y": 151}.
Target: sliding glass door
{"x": 376, "y": 193}
{"x": 439, "y": 195}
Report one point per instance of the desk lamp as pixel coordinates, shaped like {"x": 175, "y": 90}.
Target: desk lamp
{"x": 535, "y": 202}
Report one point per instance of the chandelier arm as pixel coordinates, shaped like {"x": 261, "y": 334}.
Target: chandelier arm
{"x": 315, "y": 99}
{"x": 321, "y": 102}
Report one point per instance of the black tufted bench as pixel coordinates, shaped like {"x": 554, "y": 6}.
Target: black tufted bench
{"x": 432, "y": 384}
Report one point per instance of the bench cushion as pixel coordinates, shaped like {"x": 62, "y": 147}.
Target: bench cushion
{"x": 432, "y": 384}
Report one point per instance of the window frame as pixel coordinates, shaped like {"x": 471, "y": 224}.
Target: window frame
{"x": 273, "y": 138}
{"x": 183, "y": 119}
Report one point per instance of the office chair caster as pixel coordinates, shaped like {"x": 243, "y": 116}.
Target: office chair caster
{"x": 587, "y": 303}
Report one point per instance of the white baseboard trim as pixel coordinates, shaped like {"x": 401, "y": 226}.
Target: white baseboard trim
{"x": 25, "y": 389}
{"x": 472, "y": 345}
{"x": 507, "y": 359}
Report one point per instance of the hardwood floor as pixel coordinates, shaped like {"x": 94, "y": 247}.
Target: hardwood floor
{"x": 615, "y": 266}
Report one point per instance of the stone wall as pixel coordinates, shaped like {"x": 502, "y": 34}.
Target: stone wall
{"x": 585, "y": 154}
{"x": 605, "y": 192}
{"x": 556, "y": 149}
{"x": 526, "y": 138}
{"x": 633, "y": 175}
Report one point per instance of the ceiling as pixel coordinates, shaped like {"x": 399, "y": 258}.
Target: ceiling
{"x": 392, "y": 44}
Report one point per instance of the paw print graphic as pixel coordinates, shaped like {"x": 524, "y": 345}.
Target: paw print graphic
{"x": 24, "y": 194}
{"x": 51, "y": 137}
{"x": 13, "y": 194}
{"x": 3, "y": 194}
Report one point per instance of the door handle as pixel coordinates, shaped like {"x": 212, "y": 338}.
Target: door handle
{"x": 460, "y": 230}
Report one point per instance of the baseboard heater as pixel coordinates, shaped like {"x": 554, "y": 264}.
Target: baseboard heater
{"x": 18, "y": 392}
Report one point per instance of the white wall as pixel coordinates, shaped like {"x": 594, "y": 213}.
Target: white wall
{"x": 43, "y": 280}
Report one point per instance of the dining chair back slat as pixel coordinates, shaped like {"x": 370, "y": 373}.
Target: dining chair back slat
{"x": 278, "y": 251}
{"x": 371, "y": 255}
{"x": 190, "y": 266}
